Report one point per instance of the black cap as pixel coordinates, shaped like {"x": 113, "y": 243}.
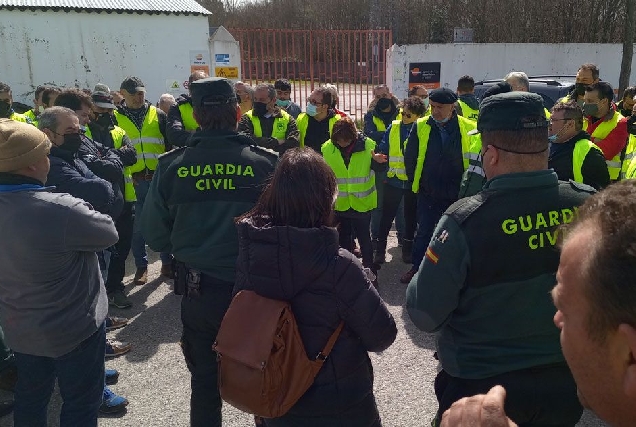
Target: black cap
{"x": 496, "y": 89}
{"x": 212, "y": 91}
{"x": 443, "y": 96}
{"x": 133, "y": 85}
{"x": 103, "y": 100}
{"x": 512, "y": 111}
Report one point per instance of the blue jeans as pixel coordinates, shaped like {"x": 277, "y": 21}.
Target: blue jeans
{"x": 429, "y": 212}
{"x": 80, "y": 376}
{"x": 376, "y": 214}
{"x": 138, "y": 243}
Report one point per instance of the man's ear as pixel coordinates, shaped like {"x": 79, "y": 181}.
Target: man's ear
{"x": 627, "y": 334}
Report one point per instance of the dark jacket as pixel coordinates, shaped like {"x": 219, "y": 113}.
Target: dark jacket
{"x": 594, "y": 169}
{"x": 196, "y": 193}
{"x": 371, "y": 129}
{"x": 70, "y": 175}
{"x": 325, "y": 285}
{"x": 292, "y": 136}
{"x": 175, "y": 130}
{"x": 293, "y": 109}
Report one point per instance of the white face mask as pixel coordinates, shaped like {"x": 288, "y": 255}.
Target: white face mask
{"x": 425, "y": 100}
{"x": 40, "y": 109}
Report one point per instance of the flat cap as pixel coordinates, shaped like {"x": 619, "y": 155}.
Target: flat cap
{"x": 443, "y": 96}
{"x": 512, "y": 111}
{"x": 103, "y": 100}
{"x": 212, "y": 91}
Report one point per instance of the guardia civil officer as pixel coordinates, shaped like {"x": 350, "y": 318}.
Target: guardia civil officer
{"x": 195, "y": 194}
{"x": 484, "y": 285}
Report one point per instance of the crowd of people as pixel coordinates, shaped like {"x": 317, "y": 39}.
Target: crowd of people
{"x": 238, "y": 189}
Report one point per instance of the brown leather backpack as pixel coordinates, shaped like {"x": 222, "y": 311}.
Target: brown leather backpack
{"x": 263, "y": 366}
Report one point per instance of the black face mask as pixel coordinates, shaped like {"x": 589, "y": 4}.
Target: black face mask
{"x": 383, "y": 104}
{"x": 104, "y": 120}
{"x": 259, "y": 109}
{"x": 631, "y": 125}
{"x": 72, "y": 142}
{"x": 579, "y": 89}
{"x": 5, "y": 109}
{"x": 626, "y": 113}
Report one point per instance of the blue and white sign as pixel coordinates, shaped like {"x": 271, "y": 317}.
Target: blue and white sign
{"x": 222, "y": 58}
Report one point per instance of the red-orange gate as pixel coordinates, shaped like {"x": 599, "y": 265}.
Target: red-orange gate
{"x": 353, "y": 60}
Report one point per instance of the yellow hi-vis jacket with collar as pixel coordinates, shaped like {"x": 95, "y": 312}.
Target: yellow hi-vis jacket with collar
{"x": 148, "y": 142}
{"x": 423, "y": 132}
{"x": 303, "y": 123}
{"x": 601, "y": 132}
{"x": 397, "y": 167}
{"x": 356, "y": 182}
{"x": 187, "y": 117}
{"x": 279, "y": 130}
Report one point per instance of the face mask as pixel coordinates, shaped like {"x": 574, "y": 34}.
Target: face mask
{"x": 5, "y": 109}
{"x": 579, "y": 89}
{"x": 283, "y": 102}
{"x": 552, "y": 138}
{"x": 72, "y": 142}
{"x": 383, "y": 104}
{"x": 441, "y": 122}
{"x": 311, "y": 110}
{"x": 40, "y": 109}
{"x": 631, "y": 125}
{"x": 590, "y": 109}
{"x": 425, "y": 100}
{"x": 104, "y": 120}
{"x": 259, "y": 109}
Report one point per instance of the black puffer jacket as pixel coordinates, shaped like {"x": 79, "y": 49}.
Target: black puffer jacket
{"x": 325, "y": 284}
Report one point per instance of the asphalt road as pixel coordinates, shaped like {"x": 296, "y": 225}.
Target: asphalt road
{"x": 155, "y": 380}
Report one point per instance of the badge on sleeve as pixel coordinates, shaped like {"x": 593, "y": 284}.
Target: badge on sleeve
{"x": 432, "y": 256}
{"x": 443, "y": 236}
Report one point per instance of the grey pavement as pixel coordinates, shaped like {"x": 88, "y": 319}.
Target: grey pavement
{"x": 154, "y": 378}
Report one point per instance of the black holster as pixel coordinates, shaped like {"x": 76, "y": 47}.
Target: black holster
{"x": 180, "y": 278}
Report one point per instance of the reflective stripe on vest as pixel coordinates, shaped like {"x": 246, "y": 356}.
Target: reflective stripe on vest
{"x": 631, "y": 170}
{"x": 30, "y": 115}
{"x": 148, "y": 142}
{"x": 356, "y": 183}
{"x": 279, "y": 130}
{"x": 630, "y": 154}
{"x": 397, "y": 167}
{"x": 303, "y": 123}
{"x": 601, "y": 132}
{"x": 117, "y": 134}
{"x": 423, "y": 132}
{"x": 467, "y": 112}
{"x": 581, "y": 148}
{"x": 187, "y": 117}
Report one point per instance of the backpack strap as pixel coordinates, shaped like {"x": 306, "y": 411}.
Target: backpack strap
{"x": 322, "y": 356}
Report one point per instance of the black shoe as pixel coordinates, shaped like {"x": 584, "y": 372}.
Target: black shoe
{"x": 6, "y": 407}
{"x": 380, "y": 252}
{"x": 407, "y": 252}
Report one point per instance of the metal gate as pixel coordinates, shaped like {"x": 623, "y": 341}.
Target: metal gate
{"x": 353, "y": 60}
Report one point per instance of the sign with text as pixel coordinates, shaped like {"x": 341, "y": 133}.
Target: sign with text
{"x": 427, "y": 74}
{"x": 227, "y": 72}
{"x": 200, "y": 61}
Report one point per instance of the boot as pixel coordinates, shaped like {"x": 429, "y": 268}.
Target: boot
{"x": 407, "y": 251}
{"x": 379, "y": 256}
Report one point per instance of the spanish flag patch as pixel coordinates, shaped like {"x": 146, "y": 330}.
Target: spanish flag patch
{"x": 432, "y": 256}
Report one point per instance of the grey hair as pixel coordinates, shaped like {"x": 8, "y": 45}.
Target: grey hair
{"x": 49, "y": 118}
{"x": 334, "y": 90}
{"x": 271, "y": 91}
{"x": 519, "y": 78}
{"x": 249, "y": 89}
{"x": 166, "y": 97}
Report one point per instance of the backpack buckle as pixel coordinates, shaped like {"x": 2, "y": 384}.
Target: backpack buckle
{"x": 321, "y": 357}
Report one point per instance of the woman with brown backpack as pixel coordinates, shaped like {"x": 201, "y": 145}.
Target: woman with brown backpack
{"x": 289, "y": 251}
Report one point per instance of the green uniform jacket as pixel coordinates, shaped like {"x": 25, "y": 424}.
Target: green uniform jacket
{"x": 485, "y": 280}
{"x": 196, "y": 193}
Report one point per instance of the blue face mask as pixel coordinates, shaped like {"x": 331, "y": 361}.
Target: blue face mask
{"x": 282, "y": 103}
{"x": 311, "y": 110}
{"x": 552, "y": 138}
{"x": 425, "y": 100}
{"x": 441, "y": 122}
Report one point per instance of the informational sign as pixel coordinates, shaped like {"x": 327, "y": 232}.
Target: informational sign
{"x": 176, "y": 87}
{"x": 200, "y": 61}
{"x": 427, "y": 74}
{"x": 227, "y": 72}
{"x": 463, "y": 35}
{"x": 222, "y": 59}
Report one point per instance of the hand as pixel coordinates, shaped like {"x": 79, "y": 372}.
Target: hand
{"x": 483, "y": 410}
{"x": 281, "y": 141}
{"x": 379, "y": 157}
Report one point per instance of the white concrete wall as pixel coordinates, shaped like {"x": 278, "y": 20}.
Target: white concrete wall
{"x": 495, "y": 60}
{"x": 81, "y": 49}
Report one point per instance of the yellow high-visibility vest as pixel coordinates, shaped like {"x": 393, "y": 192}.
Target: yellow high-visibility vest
{"x": 279, "y": 130}
{"x": 303, "y": 123}
{"x": 601, "y": 132}
{"x": 148, "y": 142}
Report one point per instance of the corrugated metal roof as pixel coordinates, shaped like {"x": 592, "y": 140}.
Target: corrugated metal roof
{"x": 165, "y": 6}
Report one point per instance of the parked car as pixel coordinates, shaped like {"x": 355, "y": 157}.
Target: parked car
{"x": 551, "y": 88}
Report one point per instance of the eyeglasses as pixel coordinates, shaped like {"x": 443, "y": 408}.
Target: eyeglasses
{"x": 407, "y": 115}
{"x": 558, "y": 120}
{"x": 316, "y": 103}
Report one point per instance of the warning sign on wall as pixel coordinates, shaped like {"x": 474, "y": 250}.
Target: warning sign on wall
{"x": 227, "y": 72}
